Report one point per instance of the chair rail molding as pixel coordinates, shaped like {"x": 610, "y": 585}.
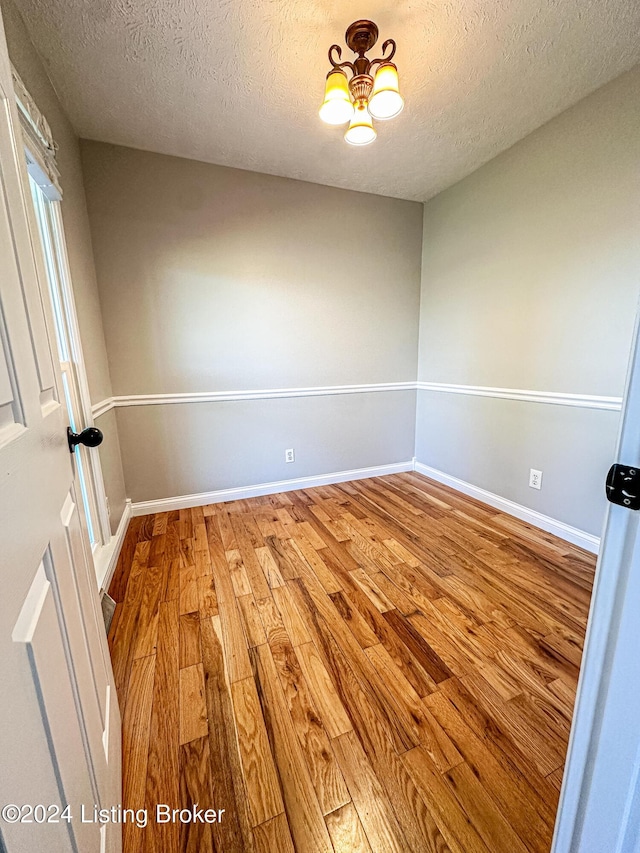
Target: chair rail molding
{"x": 103, "y": 407}
{"x": 127, "y": 400}
{"x": 585, "y": 401}
{"x": 556, "y": 398}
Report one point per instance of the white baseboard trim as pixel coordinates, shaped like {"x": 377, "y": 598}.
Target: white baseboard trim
{"x": 564, "y": 531}
{"x": 184, "y": 501}
{"x": 105, "y": 558}
{"x": 558, "y": 528}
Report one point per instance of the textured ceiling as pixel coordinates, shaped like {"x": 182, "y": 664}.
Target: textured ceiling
{"x": 239, "y": 82}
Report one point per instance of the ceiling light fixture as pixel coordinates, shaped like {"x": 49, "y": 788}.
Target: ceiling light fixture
{"x": 363, "y": 97}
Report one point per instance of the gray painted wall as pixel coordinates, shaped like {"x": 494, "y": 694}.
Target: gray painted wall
{"x": 530, "y": 276}
{"x": 216, "y": 279}
{"x": 193, "y": 448}
{"x": 78, "y": 237}
{"x": 493, "y": 443}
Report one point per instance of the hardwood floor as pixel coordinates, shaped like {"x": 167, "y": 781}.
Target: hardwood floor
{"x": 383, "y": 665}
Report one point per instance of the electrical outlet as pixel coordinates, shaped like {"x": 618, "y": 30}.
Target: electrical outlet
{"x": 535, "y": 478}
{"x": 289, "y": 455}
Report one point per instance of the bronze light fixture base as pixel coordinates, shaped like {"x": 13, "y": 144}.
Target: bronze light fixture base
{"x": 361, "y": 36}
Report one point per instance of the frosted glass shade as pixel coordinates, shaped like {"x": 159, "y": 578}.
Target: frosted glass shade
{"x": 386, "y": 100}
{"x": 361, "y": 130}
{"x": 336, "y": 107}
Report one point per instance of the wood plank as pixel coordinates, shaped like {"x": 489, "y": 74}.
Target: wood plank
{"x": 513, "y": 794}
{"x": 453, "y": 821}
{"x": 251, "y": 623}
{"x": 305, "y": 817}
{"x": 556, "y": 778}
{"x": 485, "y": 816}
{"x": 430, "y": 661}
{"x": 235, "y": 647}
{"x": 516, "y": 765}
{"x": 373, "y": 592}
{"x": 352, "y": 617}
{"x": 124, "y": 640}
{"x": 346, "y": 830}
{"x": 193, "y": 710}
{"x": 171, "y": 579}
{"x": 257, "y": 579}
{"x": 160, "y": 523}
{"x": 269, "y": 567}
{"x": 350, "y": 669}
{"x": 195, "y": 790}
{"x": 273, "y": 835}
{"x": 520, "y": 723}
{"x": 120, "y": 579}
{"x": 332, "y": 713}
{"x": 263, "y": 789}
{"x": 311, "y": 558}
{"x": 239, "y": 579}
{"x": 292, "y": 621}
{"x": 227, "y": 781}
{"x": 430, "y": 734}
{"x": 163, "y": 771}
{"x": 382, "y": 735}
{"x": 136, "y": 731}
{"x": 207, "y": 598}
{"x": 189, "y": 599}
{"x": 326, "y": 777}
{"x": 374, "y": 810}
{"x": 190, "y": 651}
{"x": 401, "y": 654}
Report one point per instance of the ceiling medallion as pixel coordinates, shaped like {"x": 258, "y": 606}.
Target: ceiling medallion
{"x": 363, "y": 97}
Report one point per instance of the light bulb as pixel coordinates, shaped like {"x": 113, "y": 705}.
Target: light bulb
{"x": 361, "y": 130}
{"x": 336, "y": 107}
{"x": 386, "y": 100}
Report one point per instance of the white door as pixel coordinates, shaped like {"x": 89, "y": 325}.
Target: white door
{"x": 59, "y": 720}
{"x": 599, "y": 808}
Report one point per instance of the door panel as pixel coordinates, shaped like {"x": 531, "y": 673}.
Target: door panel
{"x": 78, "y": 596}
{"x": 14, "y": 199}
{"x": 47, "y": 655}
{"x": 59, "y": 721}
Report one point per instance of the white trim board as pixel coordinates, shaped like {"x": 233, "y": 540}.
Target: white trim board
{"x": 202, "y": 498}
{"x": 106, "y": 557}
{"x": 585, "y": 401}
{"x": 564, "y": 531}
{"x": 103, "y": 407}
{"x": 266, "y": 394}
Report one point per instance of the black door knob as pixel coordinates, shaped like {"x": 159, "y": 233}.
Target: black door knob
{"x": 90, "y": 437}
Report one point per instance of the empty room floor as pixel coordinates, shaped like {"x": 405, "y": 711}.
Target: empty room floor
{"x": 381, "y": 665}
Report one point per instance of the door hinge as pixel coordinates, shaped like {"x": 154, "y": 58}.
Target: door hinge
{"x": 623, "y": 486}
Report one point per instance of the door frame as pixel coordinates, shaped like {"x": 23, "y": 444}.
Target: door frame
{"x": 605, "y": 646}
{"x": 94, "y": 475}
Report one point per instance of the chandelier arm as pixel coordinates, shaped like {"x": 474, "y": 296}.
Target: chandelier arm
{"x": 348, "y": 65}
{"x": 384, "y": 58}
{"x": 338, "y": 50}
{"x": 340, "y": 65}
